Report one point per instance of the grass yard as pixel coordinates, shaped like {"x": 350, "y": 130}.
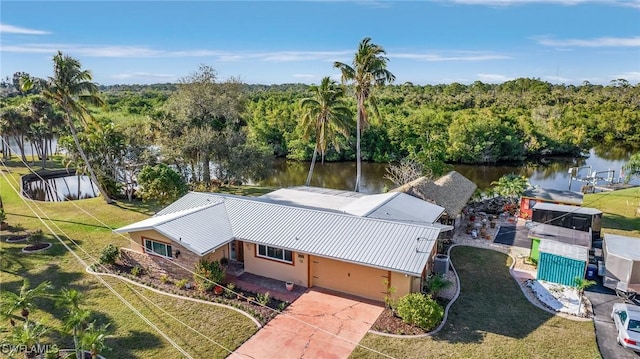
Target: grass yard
{"x": 491, "y": 319}
{"x": 130, "y": 336}
{"x": 619, "y": 210}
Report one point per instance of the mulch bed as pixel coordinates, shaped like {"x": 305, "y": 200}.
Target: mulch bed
{"x": 244, "y": 300}
{"x": 37, "y": 247}
{"x": 18, "y": 238}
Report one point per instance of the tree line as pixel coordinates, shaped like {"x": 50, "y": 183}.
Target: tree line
{"x": 205, "y": 128}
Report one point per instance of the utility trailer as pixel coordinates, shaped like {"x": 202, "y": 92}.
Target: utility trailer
{"x": 621, "y": 256}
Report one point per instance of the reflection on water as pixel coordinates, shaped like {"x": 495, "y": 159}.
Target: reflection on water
{"x": 60, "y": 189}
{"x": 554, "y": 173}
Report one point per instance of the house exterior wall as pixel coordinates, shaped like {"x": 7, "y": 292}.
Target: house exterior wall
{"x": 155, "y": 263}
{"x": 296, "y": 272}
{"x": 403, "y": 284}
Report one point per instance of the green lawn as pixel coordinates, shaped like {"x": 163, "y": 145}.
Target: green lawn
{"x": 130, "y": 336}
{"x": 491, "y": 319}
{"x": 619, "y": 210}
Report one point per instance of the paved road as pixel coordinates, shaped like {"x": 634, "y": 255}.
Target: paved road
{"x": 602, "y": 300}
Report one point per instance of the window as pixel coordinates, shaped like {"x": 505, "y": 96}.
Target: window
{"x": 158, "y": 248}
{"x": 278, "y": 254}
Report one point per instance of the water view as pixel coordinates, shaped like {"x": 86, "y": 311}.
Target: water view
{"x": 59, "y": 189}
{"x": 552, "y": 173}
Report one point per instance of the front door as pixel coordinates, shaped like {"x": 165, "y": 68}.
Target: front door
{"x": 239, "y": 251}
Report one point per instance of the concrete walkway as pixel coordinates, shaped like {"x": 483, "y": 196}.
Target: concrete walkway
{"x": 319, "y": 324}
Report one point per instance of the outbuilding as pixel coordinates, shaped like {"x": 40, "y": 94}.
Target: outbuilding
{"x": 537, "y": 194}
{"x": 561, "y": 263}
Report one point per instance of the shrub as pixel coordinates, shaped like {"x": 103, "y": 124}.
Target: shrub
{"x": 164, "y": 278}
{"x": 3, "y": 215}
{"x": 436, "y": 284}
{"x": 263, "y": 299}
{"x": 420, "y": 310}
{"x": 36, "y": 236}
{"x": 282, "y": 305}
{"x": 109, "y": 254}
{"x": 136, "y": 271}
{"x": 229, "y": 291}
{"x": 212, "y": 271}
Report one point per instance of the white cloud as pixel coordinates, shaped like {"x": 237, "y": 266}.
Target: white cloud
{"x": 304, "y": 76}
{"x": 493, "y": 78}
{"x": 628, "y": 3}
{"x": 458, "y": 57}
{"x": 595, "y": 42}
{"x": 10, "y": 29}
{"x": 145, "y": 75}
{"x": 557, "y": 79}
{"x": 629, "y": 76}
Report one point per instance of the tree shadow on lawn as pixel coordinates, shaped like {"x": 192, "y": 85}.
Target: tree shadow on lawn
{"x": 59, "y": 220}
{"x": 616, "y": 221}
{"x": 490, "y": 300}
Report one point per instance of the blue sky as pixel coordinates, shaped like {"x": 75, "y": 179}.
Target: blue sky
{"x": 267, "y": 42}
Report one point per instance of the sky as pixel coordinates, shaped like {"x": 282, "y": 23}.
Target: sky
{"x": 276, "y": 42}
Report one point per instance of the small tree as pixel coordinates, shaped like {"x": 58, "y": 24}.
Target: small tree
{"x": 93, "y": 339}
{"x": 436, "y": 284}
{"x": 109, "y": 254}
{"x": 632, "y": 167}
{"x": 161, "y": 183}
{"x": 26, "y": 336}
{"x": 510, "y": 186}
{"x": 404, "y": 172}
{"x": 581, "y": 284}
{"x": 76, "y": 318}
{"x": 208, "y": 274}
{"x": 389, "y": 303}
{"x": 25, "y": 299}
{"x": 420, "y": 310}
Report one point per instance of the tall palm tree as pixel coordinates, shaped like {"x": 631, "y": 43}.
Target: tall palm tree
{"x": 71, "y": 89}
{"x": 326, "y": 114}
{"x": 367, "y": 71}
{"x": 25, "y": 299}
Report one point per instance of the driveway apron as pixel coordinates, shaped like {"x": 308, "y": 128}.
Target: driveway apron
{"x": 317, "y": 325}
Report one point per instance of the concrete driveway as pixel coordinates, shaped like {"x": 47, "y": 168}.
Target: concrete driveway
{"x": 602, "y": 300}
{"x": 346, "y": 320}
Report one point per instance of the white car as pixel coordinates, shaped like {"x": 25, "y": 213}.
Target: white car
{"x": 627, "y": 320}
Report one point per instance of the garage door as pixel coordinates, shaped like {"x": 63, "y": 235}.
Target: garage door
{"x": 348, "y": 278}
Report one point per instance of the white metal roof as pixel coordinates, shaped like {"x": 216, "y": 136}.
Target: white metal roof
{"x": 564, "y": 250}
{"x": 560, "y": 234}
{"x": 565, "y": 208}
{"x": 391, "y": 206}
{"x": 554, "y": 195}
{"x": 623, "y": 246}
{"x": 393, "y": 245}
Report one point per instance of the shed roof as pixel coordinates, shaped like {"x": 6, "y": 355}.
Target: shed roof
{"x": 623, "y": 246}
{"x": 451, "y": 191}
{"x": 566, "y": 209}
{"x": 392, "y": 245}
{"x": 560, "y": 234}
{"x": 554, "y": 195}
{"x": 564, "y": 250}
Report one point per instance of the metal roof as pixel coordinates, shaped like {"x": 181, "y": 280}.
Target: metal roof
{"x": 567, "y": 209}
{"x": 393, "y": 245}
{"x": 560, "y": 234}
{"x": 623, "y": 246}
{"x": 564, "y": 250}
{"x": 390, "y": 206}
{"x": 554, "y": 195}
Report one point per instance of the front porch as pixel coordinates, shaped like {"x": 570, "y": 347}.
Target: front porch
{"x": 258, "y": 284}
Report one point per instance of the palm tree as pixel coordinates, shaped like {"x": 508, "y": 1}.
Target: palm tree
{"x": 510, "y": 186}
{"x": 581, "y": 284}
{"x": 25, "y": 300}
{"x": 27, "y": 337}
{"x": 368, "y": 70}
{"x": 76, "y": 318}
{"x": 327, "y": 114}
{"x": 71, "y": 89}
{"x": 93, "y": 339}
{"x": 436, "y": 284}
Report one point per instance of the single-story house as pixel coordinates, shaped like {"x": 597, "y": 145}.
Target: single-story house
{"x": 355, "y": 248}
{"x": 583, "y": 219}
{"x": 546, "y": 195}
{"x": 451, "y": 191}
